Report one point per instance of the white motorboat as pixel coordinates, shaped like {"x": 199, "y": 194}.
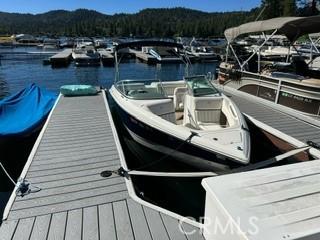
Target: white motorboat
{"x": 189, "y": 119}
{"x": 202, "y": 54}
{"x": 85, "y": 55}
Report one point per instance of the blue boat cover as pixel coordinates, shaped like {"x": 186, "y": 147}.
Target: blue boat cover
{"x": 23, "y": 112}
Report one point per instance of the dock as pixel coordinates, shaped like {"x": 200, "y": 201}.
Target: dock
{"x": 62, "y": 58}
{"x": 77, "y": 142}
{"x": 144, "y": 57}
{"x": 107, "y": 58}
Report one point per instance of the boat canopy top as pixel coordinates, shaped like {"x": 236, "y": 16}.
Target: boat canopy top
{"x": 148, "y": 44}
{"x": 291, "y": 27}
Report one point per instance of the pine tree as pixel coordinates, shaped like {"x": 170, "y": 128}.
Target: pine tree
{"x": 289, "y": 8}
{"x": 273, "y": 8}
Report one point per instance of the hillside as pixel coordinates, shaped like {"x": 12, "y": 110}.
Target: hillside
{"x": 146, "y": 23}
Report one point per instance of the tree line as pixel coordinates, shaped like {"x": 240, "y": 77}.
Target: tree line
{"x": 149, "y": 22}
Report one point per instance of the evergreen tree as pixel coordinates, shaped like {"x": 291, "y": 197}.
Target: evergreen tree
{"x": 289, "y": 8}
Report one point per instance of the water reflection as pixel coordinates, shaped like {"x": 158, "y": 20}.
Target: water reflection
{"x": 4, "y": 88}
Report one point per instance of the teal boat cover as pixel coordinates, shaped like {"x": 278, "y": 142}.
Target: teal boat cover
{"x": 78, "y": 90}
{"x": 25, "y": 111}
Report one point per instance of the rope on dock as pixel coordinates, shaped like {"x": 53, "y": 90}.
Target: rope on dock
{"x": 23, "y": 186}
{"x": 124, "y": 173}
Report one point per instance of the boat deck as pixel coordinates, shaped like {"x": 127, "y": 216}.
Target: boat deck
{"x": 75, "y": 202}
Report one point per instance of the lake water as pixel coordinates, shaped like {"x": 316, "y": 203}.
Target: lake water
{"x": 18, "y": 69}
{"x": 22, "y": 66}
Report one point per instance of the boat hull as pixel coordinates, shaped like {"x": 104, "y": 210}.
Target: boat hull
{"x": 166, "y": 143}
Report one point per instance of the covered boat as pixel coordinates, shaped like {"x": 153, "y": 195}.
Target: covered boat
{"x": 22, "y": 116}
{"x": 189, "y": 119}
{"x": 22, "y": 113}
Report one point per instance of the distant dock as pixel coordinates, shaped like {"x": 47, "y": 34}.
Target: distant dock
{"x": 62, "y": 58}
{"x": 144, "y": 57}
{"x": 107, "y": 58}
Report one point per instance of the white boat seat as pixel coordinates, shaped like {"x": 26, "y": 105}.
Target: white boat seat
{"x": 178, "y": 98}
{"x": 163, "y": 108}
{"x": 208, "y": 112}
{"x": 169, "y": 87}
{"x": 211, "y": 116}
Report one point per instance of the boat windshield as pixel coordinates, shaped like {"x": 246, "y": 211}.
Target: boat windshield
{"x": 200, "y": 86}
{"x": 141, "y": 89}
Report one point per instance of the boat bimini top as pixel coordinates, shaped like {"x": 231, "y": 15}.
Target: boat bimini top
{"x": 291, "y": 27}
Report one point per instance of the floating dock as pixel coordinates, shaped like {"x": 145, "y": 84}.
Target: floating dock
{"x": 62, "y": 58}
{"x": 107, "y": 58}
{"x": 77, "y": 142}
{"x": 144, "y": 57}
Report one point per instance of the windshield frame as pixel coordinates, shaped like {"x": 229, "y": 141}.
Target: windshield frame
{"x": 123, "y": 86}
{"x": 190, "y": 83}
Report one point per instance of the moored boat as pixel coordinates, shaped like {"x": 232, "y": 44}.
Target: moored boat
{"x": 85, "y": 55}
{"x": 188, "y": 118}
{"x": 291, "y": 83}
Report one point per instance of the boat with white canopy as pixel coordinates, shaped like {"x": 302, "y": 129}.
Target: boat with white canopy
{"x": 291, "y": 83}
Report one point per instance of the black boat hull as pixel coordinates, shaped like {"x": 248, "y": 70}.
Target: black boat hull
{"x": 181, "y": 150}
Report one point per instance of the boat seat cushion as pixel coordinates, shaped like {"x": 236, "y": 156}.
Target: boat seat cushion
{"x": 208, "y": 111}
{"x": 178, "y": 98}
{"x": 208, "y": 103}
{"x": 208, "y": 116}
{"x": 163, "y": 108}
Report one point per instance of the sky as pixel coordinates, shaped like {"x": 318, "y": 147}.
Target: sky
{"x": 123, "y": 6}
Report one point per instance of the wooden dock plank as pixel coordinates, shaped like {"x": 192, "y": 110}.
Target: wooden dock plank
{"x": 139, "y": 222}
{"x": 156, "y": 226}
{"x": 107, "y": 227}
{"x": 7, "y": 229}
{"x": 74, "y": 225}
{"x": 24, "y": 229}
{"x": 57, "y": 226}
{"x": 90, "y": 229}
{"x": 121, "y": 218}
{"x": 41, "y": 227}
{"x": 172, "y": 227}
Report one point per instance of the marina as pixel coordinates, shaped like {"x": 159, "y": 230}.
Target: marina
{"x": 73, "y": 194}
{"x": 129, "y": 121}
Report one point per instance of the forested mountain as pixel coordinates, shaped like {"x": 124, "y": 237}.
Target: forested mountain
{"x": 146, "y": 23}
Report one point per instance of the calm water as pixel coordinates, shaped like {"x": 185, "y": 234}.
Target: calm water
{"x": 22, "y": 66}
{"x": 18, "y": 70}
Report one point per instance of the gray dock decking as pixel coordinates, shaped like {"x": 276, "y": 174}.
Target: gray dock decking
{"x": 75, "y": 201}
{"x": 62, "y": 58}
